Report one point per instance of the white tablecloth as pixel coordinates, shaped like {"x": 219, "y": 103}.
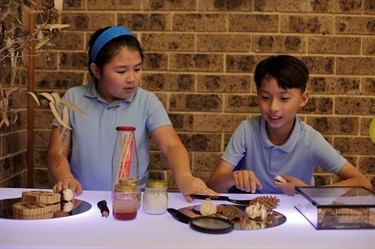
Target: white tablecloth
{"x": 91, "y": 230}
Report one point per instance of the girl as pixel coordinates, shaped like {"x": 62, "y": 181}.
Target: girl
{"x": 115, "y": 99}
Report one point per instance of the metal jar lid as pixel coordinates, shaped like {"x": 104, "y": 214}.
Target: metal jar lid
{"x": 129, "y": 181}
{"x": 125, "y": 188}
{"x": 158, "y": 184}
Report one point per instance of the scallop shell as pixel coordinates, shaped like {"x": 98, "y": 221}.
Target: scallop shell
{"x": 208, "y": 207}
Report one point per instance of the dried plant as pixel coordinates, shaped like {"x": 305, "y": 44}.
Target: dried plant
{"x": 4, "y": 106}
{"x": 372, "y": 130}
{"x": 16, "y": 36}
{"x": 59, "y": 107}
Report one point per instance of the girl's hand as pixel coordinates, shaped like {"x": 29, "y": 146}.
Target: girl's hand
{"x": 246, "y": 180}
{"x": 289, "y": 187}
{"x": 189, "y": 185}
{"x": 69, "y": 183}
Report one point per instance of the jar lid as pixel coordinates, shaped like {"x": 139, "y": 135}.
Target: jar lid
{"x": 125, "y": 128}
{"x": 125, "y": 188}
{"x": 156, "y": 184}
{"x": 129, "y": 181}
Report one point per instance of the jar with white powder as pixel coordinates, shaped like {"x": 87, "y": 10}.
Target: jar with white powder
{"x": 155, "y": 197}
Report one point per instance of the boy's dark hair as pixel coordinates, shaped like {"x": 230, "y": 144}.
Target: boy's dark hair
{"x": 107, "y": 52}
{"x": 288, "y": 71}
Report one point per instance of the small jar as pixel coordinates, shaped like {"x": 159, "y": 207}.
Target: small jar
{"x": 124, "y": 202}
{"x": 155, "y": 197}
{"x": 133, "y": 182}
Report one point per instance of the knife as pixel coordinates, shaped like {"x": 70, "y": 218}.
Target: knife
{"x": 220, "y": 198}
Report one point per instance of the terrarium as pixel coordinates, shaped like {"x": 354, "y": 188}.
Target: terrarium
{"x": 337, "y": 207}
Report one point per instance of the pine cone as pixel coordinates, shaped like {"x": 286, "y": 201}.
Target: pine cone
{"x": 270, "y": 202}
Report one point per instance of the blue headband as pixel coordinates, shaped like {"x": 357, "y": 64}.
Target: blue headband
{"x": 105, "y": 37}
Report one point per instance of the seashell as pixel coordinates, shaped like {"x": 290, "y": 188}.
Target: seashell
{"x": 208, "y": 207}
{"x": 67, "y": 194}
{"x": 256, "y": 212}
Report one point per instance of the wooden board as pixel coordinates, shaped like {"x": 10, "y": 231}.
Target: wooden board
{"x": 41, "y": 196}
{"x": 34, "y": 210}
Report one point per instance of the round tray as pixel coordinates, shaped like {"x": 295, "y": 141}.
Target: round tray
{"x": 273, "y": 220}
{"x": 78, "y": 207}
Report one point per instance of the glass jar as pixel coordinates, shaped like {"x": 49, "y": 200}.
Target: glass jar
{"x": 155, "y": 197}
{"x": 124, "y": 202}
{"x": 125, "y": 161}
{"x": 133, "y": 182}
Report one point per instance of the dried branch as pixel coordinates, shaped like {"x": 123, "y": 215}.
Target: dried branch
{"x": 15, "y": 36}
{"x": 59, "y": 108}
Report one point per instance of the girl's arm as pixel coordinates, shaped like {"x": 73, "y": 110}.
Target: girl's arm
{"x": 177, "y": 159}
{"x": 57, "y": 162}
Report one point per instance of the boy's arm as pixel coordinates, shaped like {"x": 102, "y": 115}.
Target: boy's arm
{"x": 350, "y": 176}
{"x": 221, "y": 179}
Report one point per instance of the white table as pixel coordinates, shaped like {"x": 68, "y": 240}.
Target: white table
{"x": 90, "y": 230}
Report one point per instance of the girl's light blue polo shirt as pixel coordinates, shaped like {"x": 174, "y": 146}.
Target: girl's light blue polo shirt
{"x": 305, "y": 149}
{"x": 94, "y": 134}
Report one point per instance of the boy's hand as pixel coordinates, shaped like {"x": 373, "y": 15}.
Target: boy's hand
{"x": 246, "y": 180}
{"x": 289, "y": 187}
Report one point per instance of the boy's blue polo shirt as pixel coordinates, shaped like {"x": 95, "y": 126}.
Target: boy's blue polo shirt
{"x": 305, "y": 149}
{"x": 94, "y": 134}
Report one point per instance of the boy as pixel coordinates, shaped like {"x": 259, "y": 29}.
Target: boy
{"x": 278, "y": 142}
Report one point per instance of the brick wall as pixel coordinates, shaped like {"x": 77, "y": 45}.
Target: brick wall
{"x": 200, "y": 56}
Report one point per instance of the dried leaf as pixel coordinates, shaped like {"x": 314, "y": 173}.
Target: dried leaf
{"x": 13, "y": 57}
{"x": 59, "y": 5}
{"x": 63, "y": 140}
{"x": 20, "y": 23}
{"x": 72, "y": 106}
{"x": 5, "y": 15}
{"x": 62, "y": 133}
{"x": 49, "y": 97}
{"x": 40, "y": 35}
{"x": 11, "y": 90}
{"x": 65, "y": 118}
{"x": 52, "y": 26}
{"x": 15, "y": 114}
{"x": 3, "y": 107}
{"x": 34, "y": 97}
{"x": 372, "y": 130}
{"x": 57, "y": 98}
{"x": 42, "y": 43}
{"x": 28, "y": 9}
{"x": 6, "y": 120}
{"x": 65, "y": 115}
{"x": 57, "y": 116}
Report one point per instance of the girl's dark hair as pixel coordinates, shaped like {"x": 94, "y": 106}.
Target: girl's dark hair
{"x": 288, "y": 71}
{"x": 107, "y": 52}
